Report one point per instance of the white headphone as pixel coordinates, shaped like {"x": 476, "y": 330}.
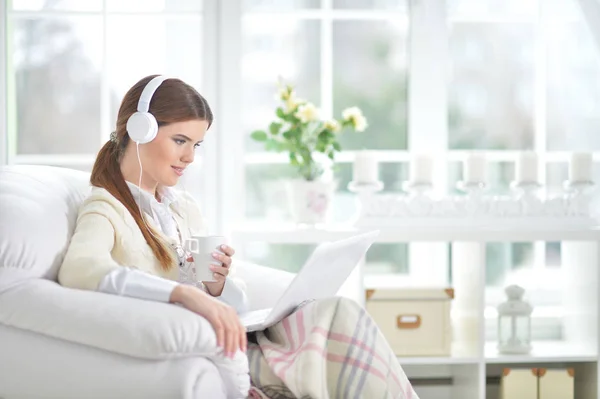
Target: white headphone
{"x": 142, "y": 126}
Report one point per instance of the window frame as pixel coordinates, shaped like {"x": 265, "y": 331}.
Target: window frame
{"x": 3, "y": 84}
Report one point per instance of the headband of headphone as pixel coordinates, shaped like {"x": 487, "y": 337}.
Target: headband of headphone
{"x": 141, "y": 125}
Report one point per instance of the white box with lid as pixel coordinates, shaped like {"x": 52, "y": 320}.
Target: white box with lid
{"x": 519, "y": 384}
{"x": 557, "y": 384}
{"x": 416, "y": 322}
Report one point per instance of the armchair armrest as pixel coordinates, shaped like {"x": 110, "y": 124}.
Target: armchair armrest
{"x": 264, "y": 285}
{"x": 128, "y": 326}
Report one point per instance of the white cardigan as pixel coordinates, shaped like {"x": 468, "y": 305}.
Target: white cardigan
{"x": 109, "y": 253}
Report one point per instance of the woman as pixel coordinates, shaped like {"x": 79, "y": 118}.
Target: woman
{"x": 116, "y": 250}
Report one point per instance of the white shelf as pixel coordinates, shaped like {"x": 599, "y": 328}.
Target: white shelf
{"x": 458, "y": 356}
{"x": 469, "y": 368}
{"x": 544, "y": 352}
{"x": 292, "y": 234}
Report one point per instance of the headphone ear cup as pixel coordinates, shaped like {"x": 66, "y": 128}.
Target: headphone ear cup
{"x": 142, "y": 127}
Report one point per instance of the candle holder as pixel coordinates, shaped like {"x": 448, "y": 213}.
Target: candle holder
{"x": 579, "y": 197}
{"x": 417, "y": 188}
{"x": 578, "y": 187}
{"x": 472, "y": 188}
{"x": 365, "y": 200}
{"x": 528, "y": 189}
{"x": 528, "y": 195}
{"x": 367, "y": 188}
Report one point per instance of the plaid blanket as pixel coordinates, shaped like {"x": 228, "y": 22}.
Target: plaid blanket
{"x": 326, "y": 349}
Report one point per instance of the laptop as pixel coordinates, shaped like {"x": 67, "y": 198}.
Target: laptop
{"x": 321, "y": 277}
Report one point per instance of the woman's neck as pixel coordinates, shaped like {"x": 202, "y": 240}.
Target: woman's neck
{"x": 131, "y": 173}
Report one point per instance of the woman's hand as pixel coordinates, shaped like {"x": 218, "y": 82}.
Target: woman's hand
{"x": 220, "y": 272}
{"x": 231, "y": 334}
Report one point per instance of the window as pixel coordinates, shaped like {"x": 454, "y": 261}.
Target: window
{"x": 521, "y": 75}
{"x": 70, "y": 62}
{"x": 337, "y": 54}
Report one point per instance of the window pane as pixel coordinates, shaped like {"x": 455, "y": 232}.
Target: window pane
{"x": 288, "y": 257}
{"x": 491, "y": 89}
{"x": 573, "y": 95}
{"x": 556, "y": 174}
{"x": 373, "y": 4}
{"x": 560, "y": 9}
{"x": 278, "y": 5}
{"x": 508, "y": 262}
{"x": 57, "y": 65}
{"x": 158, "y": 49}
{"x": 377, "y": 50}
{"x": 274, "y": 47}
{"x": 492, "y": 8}
{"x": 62, "y": 5}
{"x": 266, "y": 195}
{"x": 154, "y": 5}
{"x": 553, "y": 254}
{"x": 382, "y": 259}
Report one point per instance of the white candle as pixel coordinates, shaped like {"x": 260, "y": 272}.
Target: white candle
{"x": 421, "y": 169}
{"x": 527, "y": 168}
{"x": 475, "y": 168}
{"x": 366, "y": 167}
{"x": 581, "y": 167}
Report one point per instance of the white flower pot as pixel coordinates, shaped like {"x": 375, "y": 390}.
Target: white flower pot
{"x": 310, "y": 201}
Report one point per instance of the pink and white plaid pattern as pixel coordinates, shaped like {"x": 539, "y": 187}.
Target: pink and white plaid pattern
{"x": 326, "y": 349}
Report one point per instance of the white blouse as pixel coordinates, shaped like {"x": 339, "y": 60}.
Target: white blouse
{"x": 131, "y": 282}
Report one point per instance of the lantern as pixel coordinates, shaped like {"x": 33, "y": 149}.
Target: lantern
{"x": 514, "y": 322}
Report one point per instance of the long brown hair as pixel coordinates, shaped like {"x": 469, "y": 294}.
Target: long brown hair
{"x": 173, "y": 101}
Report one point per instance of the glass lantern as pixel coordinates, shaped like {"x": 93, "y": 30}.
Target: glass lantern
{"x": 514, "y": 322}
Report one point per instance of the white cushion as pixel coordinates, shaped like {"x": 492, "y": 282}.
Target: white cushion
{"x": 138, "y": 328}
{"x": 38, "y": 210}
{"x": 128, "y": 326}
{"x": 36, "y": 366}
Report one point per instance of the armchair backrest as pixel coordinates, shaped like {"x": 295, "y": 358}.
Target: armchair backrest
{"x": 38, "y": 211}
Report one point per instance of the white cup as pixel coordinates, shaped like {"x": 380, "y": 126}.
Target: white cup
{"x": 202, "y": 249}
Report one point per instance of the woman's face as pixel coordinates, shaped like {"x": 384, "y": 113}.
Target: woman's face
{"x": 165, "y": 158}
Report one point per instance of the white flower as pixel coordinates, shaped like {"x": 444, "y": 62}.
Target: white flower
{"x": 355, "y": 115}
{"x": 307, "y": 113}
{"x": 350, "y": 113}
{"x": 293, "y": 102}
{"x": 284, "y": 93}
{"x": 360, "y": 123}
{"x": 332, "y": 125}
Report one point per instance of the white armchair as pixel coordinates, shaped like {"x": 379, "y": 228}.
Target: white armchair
{"x": 59, "y": 342}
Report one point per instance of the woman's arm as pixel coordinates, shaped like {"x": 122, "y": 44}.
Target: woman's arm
{"x": 88, "y": 259}
{"x": 233, "y": 292}
{"x": 88, "y": 264}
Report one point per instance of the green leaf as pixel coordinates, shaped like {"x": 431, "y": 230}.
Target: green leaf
{"x": 331, "y": 155}
{"x": 259, "y": 135}
{"x": 274, "y": 127}
{"x": 275, "y": 145}
{"x": 337, "y": 146}
{"x": 293, "y": 159}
